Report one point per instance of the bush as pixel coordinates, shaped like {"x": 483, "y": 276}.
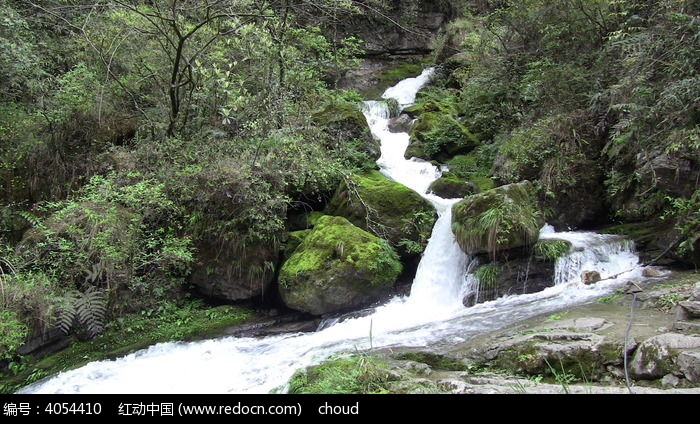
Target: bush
{"x": 12, "y": 334}
{"x": 121, "y": 234}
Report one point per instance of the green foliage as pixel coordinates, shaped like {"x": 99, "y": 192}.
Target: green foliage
{"x": 551, "y": 250}
{"x": 667, "y": 302}
{"x": 349, "y": 375}
{"x": 686, "y": 213}
{"x": 489, "y": 275}
{"x": 118, "y": 234}
{"x": 83, "y": 310}
{"x": 571, "y": 94}
{"x": 33, "y": 296}
{"x": 12, "y": 334}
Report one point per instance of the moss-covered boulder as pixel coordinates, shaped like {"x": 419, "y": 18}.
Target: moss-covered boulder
{"x": 439, "y": 135}
{"x": 338, "y": 267}
{"x": 473, "y": 168}
{"x": 504, "y": 218}
{"x": 449, "y": 186}
{"x": 344, "y": 124}
{"x": 386, "y": 209}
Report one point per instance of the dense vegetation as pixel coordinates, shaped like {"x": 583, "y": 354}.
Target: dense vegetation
{"x": 142, "y": 139}
{"x": 149, "y": 146}
{"x": 594, "y": 101}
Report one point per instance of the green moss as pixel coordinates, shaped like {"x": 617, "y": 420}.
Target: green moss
{"x": 434, "y": 360}
{"x": 336, "y": 266}
{"x": 503, "y": 218}
{"x": 474, "y": 167}
{"x": 450, "y": 186}
{"x": 350, "y": 375}
{"x": 12, "y": 332}
{"x": 551, "y": 250}
{"x": 334, "y": 239}
{"x": 132, "y": 332}
{"x": 385, "y": 208}
{"x": 295, "y": 239}
{"x": 440, "y": 135}
{"x": 313, "y": 218}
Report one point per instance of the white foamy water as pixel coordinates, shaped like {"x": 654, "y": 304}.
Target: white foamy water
{"x": 433, "y": 313}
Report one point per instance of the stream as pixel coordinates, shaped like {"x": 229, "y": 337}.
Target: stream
{"x": 432, "y": 313}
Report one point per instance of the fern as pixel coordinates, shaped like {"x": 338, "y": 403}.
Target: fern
{"x": 84, "y": 310}
{"x": 31, "y": 219}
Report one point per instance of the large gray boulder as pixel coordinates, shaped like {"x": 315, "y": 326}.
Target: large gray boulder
{"x": 656, "y": 356}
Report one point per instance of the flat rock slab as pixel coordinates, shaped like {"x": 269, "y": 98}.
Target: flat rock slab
{"x": 580, "y": 324}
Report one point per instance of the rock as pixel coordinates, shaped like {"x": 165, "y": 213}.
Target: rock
{"x": 387, "y": 209}
{"x": 470, "y": 168}
{"x": 687, "y": 327}
{"x": 401, "y": 123}
{"x": 590, "y": 277}
{"x": 504, "y": 218}
{"x": 574, "y": 197}
{"x": 652, "y": 272}
{"x": 420, "y": 21}
{"x": 225, "y": 272}
{"x": 668, "y": 172}
{"x": 695, "y": 295}
{"x": 513, "y": 272}
{"x": 344, "y": 123}
{"x": 449, "y": 186}
{"x": 691, "y": 309}
{"x": 655, "y": 356}
{"x": 586, "y": 324}
{"x": 438, "y": 134}
{"x": 417, "y": 368}
{"x": 336, "y": 268}
{"x": 670, "y": 380}
{"x": 689, "y": 364}
{"x": 582, "y": 354}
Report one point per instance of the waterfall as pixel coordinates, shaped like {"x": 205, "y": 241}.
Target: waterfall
{"x": 609, "y": 255}
{"x": 438, "y": 283}
{"x": 432, "y": 313}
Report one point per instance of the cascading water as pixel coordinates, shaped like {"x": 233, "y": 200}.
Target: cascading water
{"x": 432, "y": 313}
{"x": 609, "y": 255}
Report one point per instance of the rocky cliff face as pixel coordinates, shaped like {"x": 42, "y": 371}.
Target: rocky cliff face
{"x": 402, "y": 30}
